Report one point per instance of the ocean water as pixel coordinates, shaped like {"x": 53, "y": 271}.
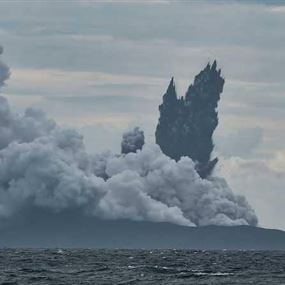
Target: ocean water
{"x": 88, "y": 266}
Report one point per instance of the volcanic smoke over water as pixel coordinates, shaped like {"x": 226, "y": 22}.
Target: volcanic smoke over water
{"x": 44, "y": 166}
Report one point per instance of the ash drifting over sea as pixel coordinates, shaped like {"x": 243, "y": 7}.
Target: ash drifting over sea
{"x": 46, "y": 167}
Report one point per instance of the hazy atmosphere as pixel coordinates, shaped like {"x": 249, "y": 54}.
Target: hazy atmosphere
{"x": 103, "y": 67}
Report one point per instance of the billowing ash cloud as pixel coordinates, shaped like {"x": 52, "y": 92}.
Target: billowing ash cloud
{"x": 50, "y": 169}
{"x": 26, "y": 128}
{"x": 177, "y": 184}
{"x": 42, "y": 165}
{"x": 4, "y": 70}
{"x": 132, "y": 140}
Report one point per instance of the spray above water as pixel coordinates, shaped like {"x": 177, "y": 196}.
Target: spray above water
{"x": 47, "y": 167}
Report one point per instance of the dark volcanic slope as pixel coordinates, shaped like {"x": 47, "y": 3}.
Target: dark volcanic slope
{"x": 72, "y": 230}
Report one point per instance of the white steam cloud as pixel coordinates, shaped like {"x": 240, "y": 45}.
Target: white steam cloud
{"x": 45, "y": 166}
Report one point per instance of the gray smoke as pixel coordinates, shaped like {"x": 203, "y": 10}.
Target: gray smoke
{"x": 4, "y": 70}
{"x": 45, "y": 166}
{"x": 132, "y": 140}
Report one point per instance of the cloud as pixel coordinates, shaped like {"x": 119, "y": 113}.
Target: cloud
{"x": 134, "y": 2}
{"x": 242, "y": 142}
{"x": 178, "y": 184}
{"x": 277, "y": 9}
{"x": 45, "y": 166}
{"x": 24, "y": 128}
{"x": 52, "y": 82}
{"x": 262, "y": 181}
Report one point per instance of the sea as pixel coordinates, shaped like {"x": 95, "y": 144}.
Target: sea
{"x": 99, "y": 266}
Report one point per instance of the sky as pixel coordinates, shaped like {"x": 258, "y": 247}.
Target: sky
{"x": 103, "y": 66}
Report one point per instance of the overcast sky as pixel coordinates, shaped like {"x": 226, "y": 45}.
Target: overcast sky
{"x": 103, "y": 67}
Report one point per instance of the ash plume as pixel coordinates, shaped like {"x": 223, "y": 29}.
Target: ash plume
{"x": 46, "y": 167}
{"x": 132, "y": 140}
{"x": 186, "y": 125}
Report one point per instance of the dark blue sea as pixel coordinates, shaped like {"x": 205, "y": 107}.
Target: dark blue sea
{"x": 88, "y": 266}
